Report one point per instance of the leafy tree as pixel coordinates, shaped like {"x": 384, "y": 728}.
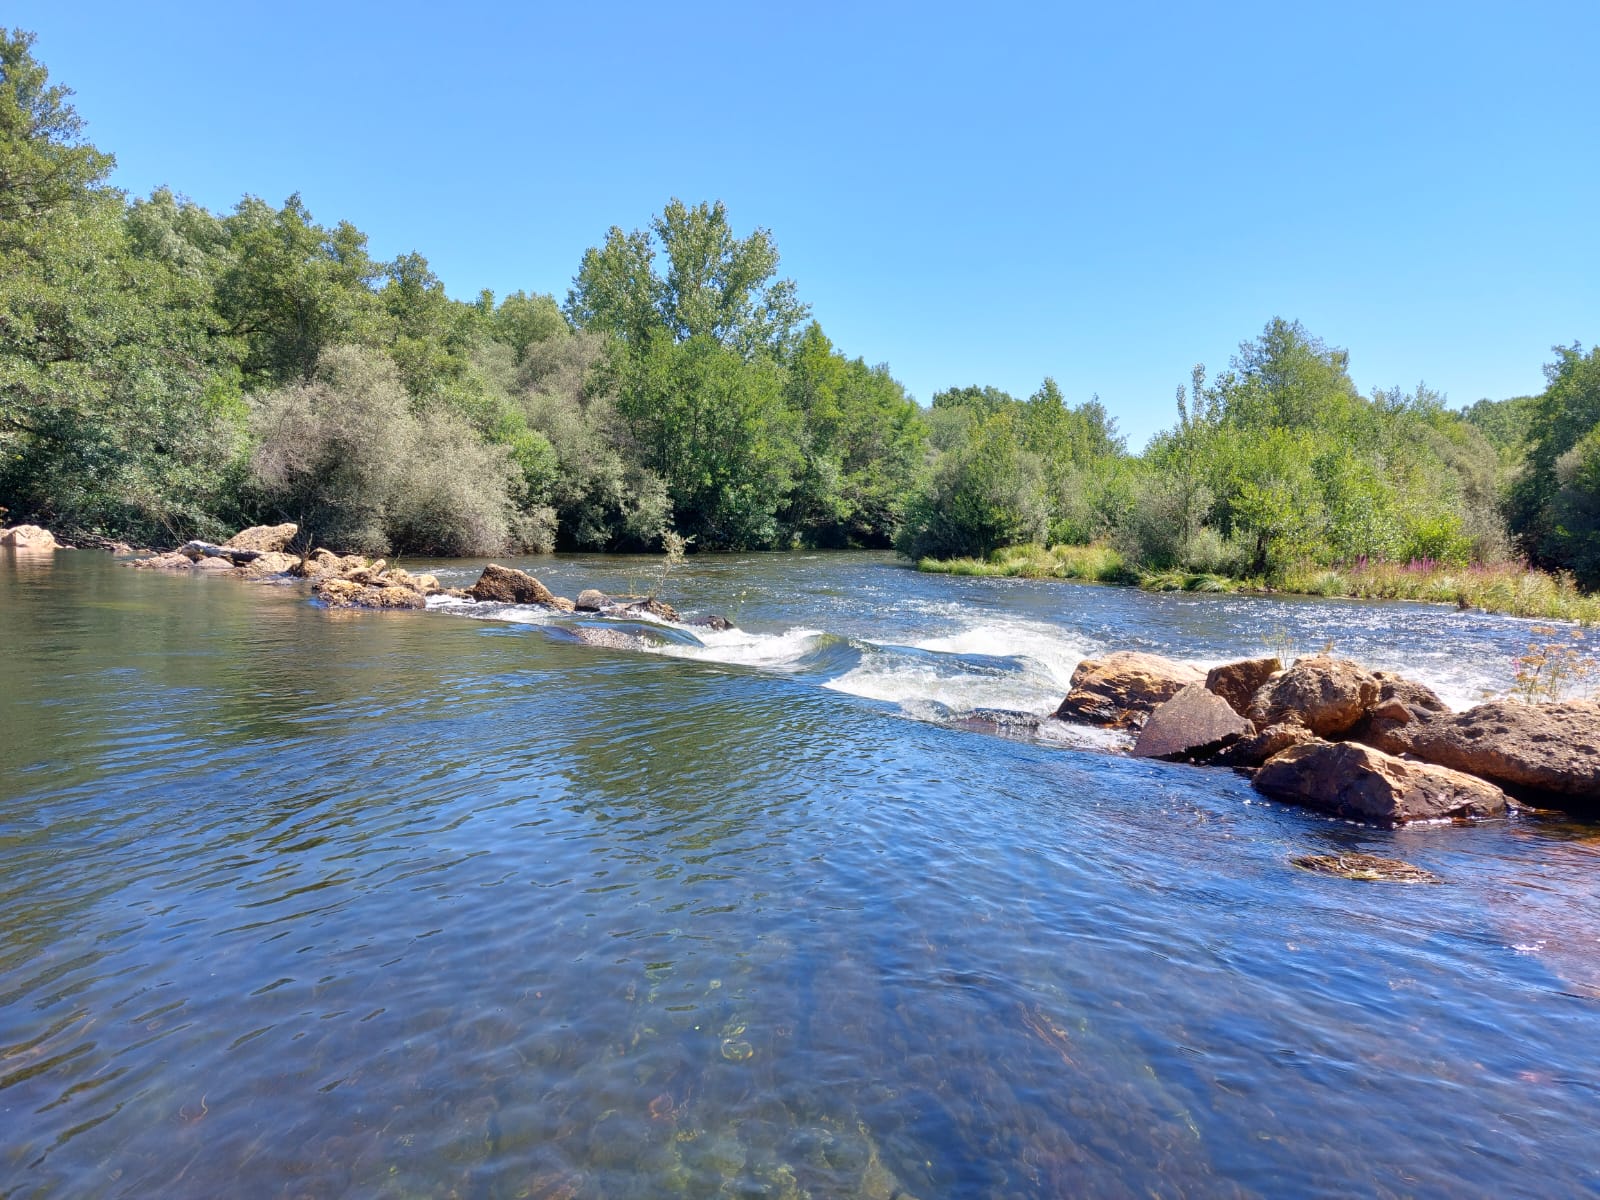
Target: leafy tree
{"x": 293, "y": 289}
{"x": 716, "y": 287}
{"x": 980, "y": 496}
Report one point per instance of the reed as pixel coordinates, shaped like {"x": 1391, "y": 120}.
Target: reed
{"x": 1092, "y": 564}
{"x": 1512, "y": 588}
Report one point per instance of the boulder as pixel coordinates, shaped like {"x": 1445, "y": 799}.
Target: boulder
{"x": 1193, "y": 725}
{"x": 1550, "y": 750}
{"x": 264, "y": 539}
{"x": 214, "y": 565}
{"x": 651, "y": 606}
{"x": 427, "y": 585}
{"x": 1417, "y": 697}
{"x": 29, "y": 537}
{"x": 346, "y": 593}
{"x": 163, "y": 562}
{"x": 1238, "y": 682}
{"x": 1252, "y": 751}
{"x": 710, "y": 621}
{"x": 1326, "y": 695}
{"x": 271, "y": 562}
{"x": 592, "y": 600}
{"x": 1364, "y": 784}
{"x": 507, "y": 585}
{"x": 1122, "y": 689}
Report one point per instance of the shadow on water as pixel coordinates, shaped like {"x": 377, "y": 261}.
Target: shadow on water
{"x": 410, "y": 905}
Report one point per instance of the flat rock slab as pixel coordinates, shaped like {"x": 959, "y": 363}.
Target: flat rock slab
{"x": 1194, "y": 724}
{"x": 1356, "y": 781}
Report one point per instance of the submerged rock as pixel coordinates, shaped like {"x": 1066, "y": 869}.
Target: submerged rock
{"x": 1552, "y": 750}
{"x": 264, "y": 539}
{"x": 1005, "y": 722}
{"x": 1193, "y": 725}
{"x": 1122, "y": 689}
{"x": 507, "y": 585}
{"x": 1366, "y": 867}
{"x": 1356, "y": 781}
{"x": 29, "y": 537}
{"x": 1238, "y": 682}
{"x": 1326, "y": 695}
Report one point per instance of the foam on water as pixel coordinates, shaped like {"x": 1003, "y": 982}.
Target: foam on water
{"x": 1019, "y": 665}
{"x": 739, "y": 647}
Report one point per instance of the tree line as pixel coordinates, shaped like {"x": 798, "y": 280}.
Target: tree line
{"x": 168, "y": 372}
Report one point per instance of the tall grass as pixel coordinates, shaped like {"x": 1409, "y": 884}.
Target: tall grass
{"x": 1092, "y": 564}
{"x": 1512, "y": 588}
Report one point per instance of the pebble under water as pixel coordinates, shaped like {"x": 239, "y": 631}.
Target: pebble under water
{"x": 450, "y": 904}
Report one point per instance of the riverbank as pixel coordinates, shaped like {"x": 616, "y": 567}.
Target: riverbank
{"x": 1506, "y": 588}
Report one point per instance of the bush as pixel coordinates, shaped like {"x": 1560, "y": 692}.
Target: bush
{"x": 344, "y": 457}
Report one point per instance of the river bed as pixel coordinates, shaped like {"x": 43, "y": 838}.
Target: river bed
{"x": 310, "y": 903}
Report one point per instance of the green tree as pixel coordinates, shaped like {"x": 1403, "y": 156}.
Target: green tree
{"x": 980, "y": 496}
{"x": 716, "y": 286}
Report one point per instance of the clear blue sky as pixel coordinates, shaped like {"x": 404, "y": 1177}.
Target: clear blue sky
{"x": 1105, "y": 193}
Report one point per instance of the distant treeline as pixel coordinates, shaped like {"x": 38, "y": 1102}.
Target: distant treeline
{"x": 168, "y": 372}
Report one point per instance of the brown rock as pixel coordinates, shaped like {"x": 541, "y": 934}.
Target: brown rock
{"x": 1238, "y": 682}
{"x": 265, "y": 539}
{"x": 1122, "y": 689}
{"x": 1552, "y": 750}
{"x": 1194, "y": 724}
{"x": 1326, "y": 695}
{"x": 29, "y": 537}
{"x": 507, "y": 585}
{"x": 163, "y": 562}
{"x": 346, "y": 593}
{"x": 1255, "y": 750}
{"x": 1417, "y": 697}
{"x": 426, "y": 585}
{"x": 270, "y": 562}
{"x": 1356, "y": 781}
{"x": 652, "y": 606}
{"x": 592, "y": 600}
{"x": 213, "y": 565}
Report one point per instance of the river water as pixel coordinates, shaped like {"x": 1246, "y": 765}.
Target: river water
{"x": 308, "y": 903}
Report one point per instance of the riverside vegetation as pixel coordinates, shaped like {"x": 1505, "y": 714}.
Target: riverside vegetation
{"x": 170, "y": 373}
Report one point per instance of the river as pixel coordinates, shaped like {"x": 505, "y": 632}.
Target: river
{"x": 309, "y": 903}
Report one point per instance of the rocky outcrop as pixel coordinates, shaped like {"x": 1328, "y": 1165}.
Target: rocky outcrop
{"x": 1350, "y": 780}
{"x": 1326, "y": 695}
{"x": 1122, "y": 689}
{"x": 1548, "y": 751}
{"x": 1238, "y": 682}
{"x": 1252, "y": 751}
{"x": 507, "y": 585}
{"x": 1192, "y": 726}
{"x": 347, "y": 593}
{"x": 264, "y": 539}
{"x": 29, "y": 537}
